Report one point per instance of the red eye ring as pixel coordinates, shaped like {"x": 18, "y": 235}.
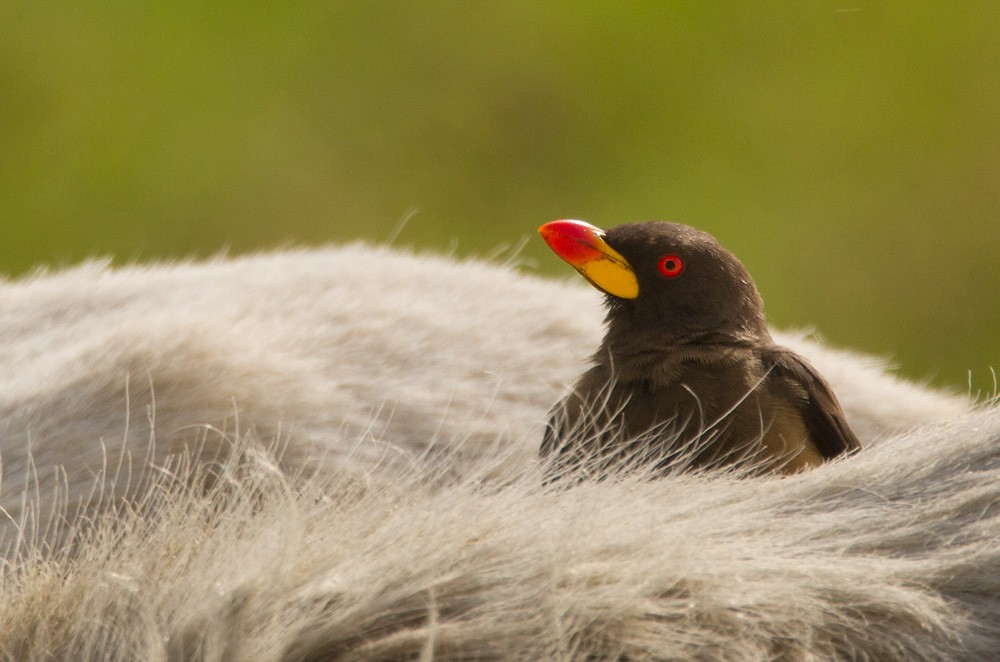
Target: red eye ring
{"x": 671, "y": 265}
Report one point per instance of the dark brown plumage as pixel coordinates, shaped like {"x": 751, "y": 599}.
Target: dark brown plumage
{"x": 687, "y": 375}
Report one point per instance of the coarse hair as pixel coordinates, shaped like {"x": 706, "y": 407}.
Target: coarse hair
{"x": 332, "y": 454}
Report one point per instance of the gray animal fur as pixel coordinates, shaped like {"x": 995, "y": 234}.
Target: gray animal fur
{"x": 331, "y": 454}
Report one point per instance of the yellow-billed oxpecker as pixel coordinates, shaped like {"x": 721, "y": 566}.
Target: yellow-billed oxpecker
{"x": 687, "y": 376}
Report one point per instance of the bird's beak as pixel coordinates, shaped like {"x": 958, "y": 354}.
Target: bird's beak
{"x": 583, "y": 246}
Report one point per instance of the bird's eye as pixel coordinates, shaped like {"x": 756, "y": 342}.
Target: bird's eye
{"x": 671, "y": 265}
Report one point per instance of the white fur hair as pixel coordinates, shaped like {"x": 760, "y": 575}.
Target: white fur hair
{"x": 332, "y": 454}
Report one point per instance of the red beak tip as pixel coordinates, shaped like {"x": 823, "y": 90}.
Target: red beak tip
{"x": 572, "y": 240}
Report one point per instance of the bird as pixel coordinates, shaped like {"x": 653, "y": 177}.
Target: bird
{"x": 687, "y": 376}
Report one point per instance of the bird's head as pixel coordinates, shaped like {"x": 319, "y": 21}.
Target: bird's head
{"x": 666, "y": 283}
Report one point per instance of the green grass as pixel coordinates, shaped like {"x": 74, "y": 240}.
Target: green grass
{"x": 849, "y": 152}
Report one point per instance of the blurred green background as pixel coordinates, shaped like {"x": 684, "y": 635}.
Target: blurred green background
{"x": 847, "y": 151}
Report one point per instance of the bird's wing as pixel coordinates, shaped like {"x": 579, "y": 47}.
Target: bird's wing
{"x": 821, "y": 411}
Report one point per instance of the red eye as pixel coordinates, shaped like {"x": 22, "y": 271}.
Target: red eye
{"x": 671, "y": 265}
